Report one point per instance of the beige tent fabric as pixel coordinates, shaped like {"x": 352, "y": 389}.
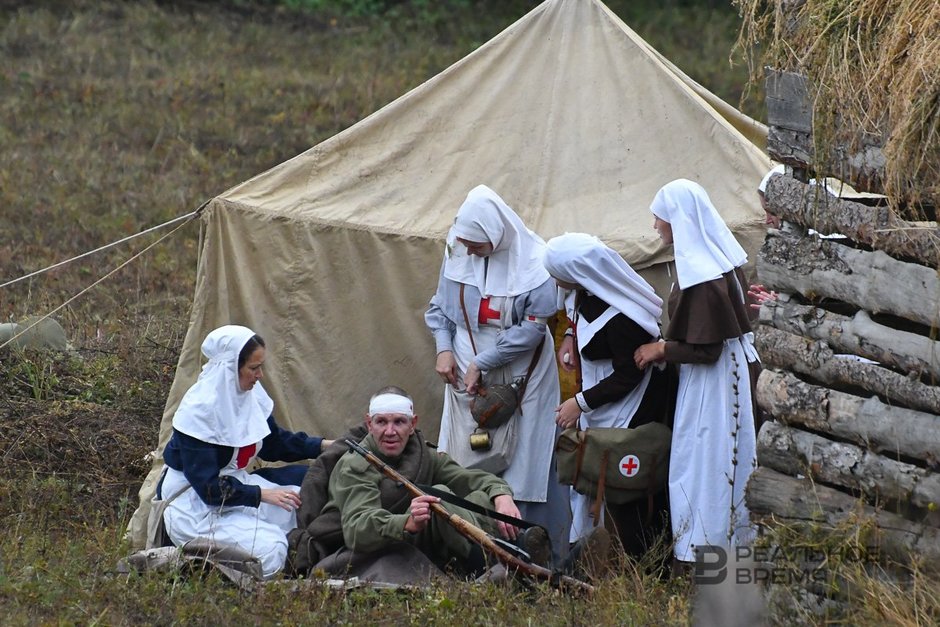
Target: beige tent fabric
{"x": 754, "y": 131}
{"x": 333, "y": 255}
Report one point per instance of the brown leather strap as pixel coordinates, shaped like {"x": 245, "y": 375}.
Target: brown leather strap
{"x": 601, "y": 482}
{"x": 466, "y": 319}
{"x": 528, "y": 374}
{"x": 535, "y": 355}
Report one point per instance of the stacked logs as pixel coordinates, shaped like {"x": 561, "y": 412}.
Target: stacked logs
{"x": 851, "y": 362}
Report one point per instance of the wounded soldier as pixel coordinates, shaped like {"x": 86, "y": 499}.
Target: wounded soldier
{"x": 372, "y": 528}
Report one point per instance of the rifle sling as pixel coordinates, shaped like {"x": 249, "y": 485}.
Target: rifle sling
{"x": 476, "y": 509}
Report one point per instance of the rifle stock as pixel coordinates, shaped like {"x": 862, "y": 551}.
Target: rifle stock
{"x": 475, "y": 534}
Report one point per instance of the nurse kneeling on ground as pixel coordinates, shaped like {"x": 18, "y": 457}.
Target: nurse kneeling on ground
{"x": 222, "y": 424}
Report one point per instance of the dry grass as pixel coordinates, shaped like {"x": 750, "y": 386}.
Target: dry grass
{"x": 120, "y": 116}
{"x": 875, "y": 71}
{"x": 833, "y": 574}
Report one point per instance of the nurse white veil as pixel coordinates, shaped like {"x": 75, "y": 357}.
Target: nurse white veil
{"x": 515, "y": 265}
{"x": 215, "y": 409}
{"x": 705, "y": 249}
{"x": 585, "y": 260}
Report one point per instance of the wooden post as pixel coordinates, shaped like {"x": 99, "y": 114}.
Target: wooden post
{"x": 878, "y": 227}
{"x": 870, "y": 280}
{"x": 859, "y": 335}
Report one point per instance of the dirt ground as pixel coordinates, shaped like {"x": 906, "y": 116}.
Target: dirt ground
{"x": 85, "y": 417}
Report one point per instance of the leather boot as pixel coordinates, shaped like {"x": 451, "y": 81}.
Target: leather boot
{"x": 536, "y": 543}
{"x": 589, "y": 557}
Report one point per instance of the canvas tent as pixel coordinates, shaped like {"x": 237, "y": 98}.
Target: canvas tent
{"x": 333, "y": 255}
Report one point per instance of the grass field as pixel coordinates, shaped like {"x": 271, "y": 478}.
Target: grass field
{"x": 118, "y": 116}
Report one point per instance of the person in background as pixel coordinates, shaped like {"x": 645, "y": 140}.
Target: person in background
{"x": 709, "y": 336}
{"x": 489, "y": 316}
{"x": 757, "y": 292}
{"x": 769, "y": 219}
{"x": 223, "y": 423}
{"x": 613, "y": 311}
{"x": 833, "y": 188}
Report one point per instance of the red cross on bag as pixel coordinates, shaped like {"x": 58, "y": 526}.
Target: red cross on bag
{"x": 629, "y": 465}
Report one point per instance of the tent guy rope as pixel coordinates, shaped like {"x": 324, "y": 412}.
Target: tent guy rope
{"x": 105, "y": 247}
{"x": 186, "y": 220}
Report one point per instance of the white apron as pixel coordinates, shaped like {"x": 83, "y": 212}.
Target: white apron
{"x": 533, "y": 431}
{"x": 616, "y": 414}
{"x": 706, "y": 490}
{"x": 262, "y": 530}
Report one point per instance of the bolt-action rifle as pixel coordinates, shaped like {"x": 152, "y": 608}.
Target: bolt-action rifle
{"x": 513, "y": 563}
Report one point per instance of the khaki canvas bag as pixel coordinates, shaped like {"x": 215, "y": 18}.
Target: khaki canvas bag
{"x": 619, "y": 465}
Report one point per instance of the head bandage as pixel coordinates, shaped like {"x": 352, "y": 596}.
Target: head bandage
{"x": 777, "y": 169}
{"x": 391, "y": 404}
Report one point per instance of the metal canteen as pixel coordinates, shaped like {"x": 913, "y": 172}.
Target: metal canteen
{"x": 480, "y": 440}
{"x": 494, "y": 405}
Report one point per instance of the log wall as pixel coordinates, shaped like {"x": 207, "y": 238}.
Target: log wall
{"x": 851, "y": 380}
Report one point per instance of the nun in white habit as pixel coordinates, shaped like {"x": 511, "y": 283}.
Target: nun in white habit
{"x": 222, "y": 424}
{"x": 613, "y": 311}
{"x": 489, "y": 316}
{"x": 709, "y": 336}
